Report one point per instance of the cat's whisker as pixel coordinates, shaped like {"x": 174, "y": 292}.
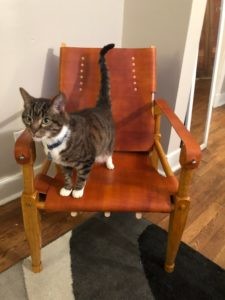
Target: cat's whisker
{"x": 107, "y": 214}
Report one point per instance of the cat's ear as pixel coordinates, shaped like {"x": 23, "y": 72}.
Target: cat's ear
{"x": 58, "y": 103}
{"x": 27, "y": 98}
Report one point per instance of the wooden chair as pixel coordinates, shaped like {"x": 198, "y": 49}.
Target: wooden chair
{"x": 135, "y": 184}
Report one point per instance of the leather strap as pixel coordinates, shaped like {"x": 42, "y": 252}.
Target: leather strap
{"x": 191, "y": 152}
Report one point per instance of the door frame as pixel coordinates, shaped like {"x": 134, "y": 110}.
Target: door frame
{"x": 212, "y": 93}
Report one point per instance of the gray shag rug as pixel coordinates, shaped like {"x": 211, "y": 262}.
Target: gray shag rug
{"x": 119, "y": 258}
{"x": 105, "y": 259}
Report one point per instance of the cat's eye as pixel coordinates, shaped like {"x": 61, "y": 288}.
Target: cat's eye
{"x": 46, "y": 121}
{"x": 28, "y": 120}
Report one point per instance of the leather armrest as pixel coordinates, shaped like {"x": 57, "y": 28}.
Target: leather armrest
{"x": 191, "y": 152}
{"x": 24, "y": 150}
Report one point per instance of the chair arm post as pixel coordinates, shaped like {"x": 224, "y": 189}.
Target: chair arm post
{"x": 178, "y": 216}
{"x": 31, "y": 216}
{"x": 25, "y": 155}
{"x": 157, "y": 137}
{"x": 24, "y": 150}
{"x": 186, "y": 174}
{"x": 28, "y": 179}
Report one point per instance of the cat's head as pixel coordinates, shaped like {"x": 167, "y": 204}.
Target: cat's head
{"x": 43, "y": 117}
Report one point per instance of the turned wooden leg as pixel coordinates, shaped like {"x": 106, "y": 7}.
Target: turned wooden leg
{"x": 31, "y": 220}
{"x": 177, "y": 223}
{"x": 31, "y": 217}
{"x": 178, "y": 218}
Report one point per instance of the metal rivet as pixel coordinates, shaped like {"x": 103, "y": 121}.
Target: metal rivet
{"x": 133, "y": 58}
{"x": 194, "y": 162}
{"x": 133, "y": 71}
{"x": 134, "y": 82}
{"x": 81, "y": 76}
{"x": 135, "y": 89}
{"x": 81, "y": 83}
{"x": 21, "y": 157}
{"x": 83, "y": 58}
{"x": 82, "y": 64}
{"x": 134, "y": 76}
{"x": 80, "y": 89}
{"x": 81, "y": 70}
{"x": 133, "y": 64}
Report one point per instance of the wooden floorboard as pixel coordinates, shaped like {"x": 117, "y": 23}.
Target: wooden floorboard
{"x": 13, "y": 244}
{"x": 205, "y": 229}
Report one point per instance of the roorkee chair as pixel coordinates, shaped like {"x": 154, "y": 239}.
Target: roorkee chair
{"x": 135, "y": 185}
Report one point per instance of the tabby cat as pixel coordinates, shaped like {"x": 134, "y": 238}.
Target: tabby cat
{"x": 74, "y": 140}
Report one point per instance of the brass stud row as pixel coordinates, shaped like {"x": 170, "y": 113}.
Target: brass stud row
{"x": 81, "y": 83}
{"x": 134, "y": 76}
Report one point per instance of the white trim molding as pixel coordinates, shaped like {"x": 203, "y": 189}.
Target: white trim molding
{"x": 173, "y": 159}
{"x": 11, "y": 186}
{"x": 219, "y": 100}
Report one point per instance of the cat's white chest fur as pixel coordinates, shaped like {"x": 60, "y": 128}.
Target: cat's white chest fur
{"x": 60, "y": 142}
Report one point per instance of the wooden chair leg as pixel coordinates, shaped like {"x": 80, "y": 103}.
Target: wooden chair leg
{"x": 31, "y": 219}
{"x": 178, "y": 218}
{"x": 177, "y": 223}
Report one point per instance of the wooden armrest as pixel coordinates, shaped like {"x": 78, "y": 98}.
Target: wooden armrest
{"x": 191, "y": 152}
{"x": 25, "y": 149}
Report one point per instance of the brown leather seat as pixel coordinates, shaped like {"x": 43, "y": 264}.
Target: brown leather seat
{"x": 132, "y": 186}
{"x": 135, "y": 184}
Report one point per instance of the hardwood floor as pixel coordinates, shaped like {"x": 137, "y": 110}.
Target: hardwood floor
{"x": 205, "y": 230}
{"x": 13, "y": 244}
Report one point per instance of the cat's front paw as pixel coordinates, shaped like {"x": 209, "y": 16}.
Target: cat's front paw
{"x": 65, "y": 192}
{"x": 78, "y": 193}
{"x": 109, "y": 163}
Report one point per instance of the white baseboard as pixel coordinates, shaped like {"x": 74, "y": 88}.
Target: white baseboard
{"x": 219, "y": 100}
{"x": 11, "y": 187}
{"x": 173, "y": 159}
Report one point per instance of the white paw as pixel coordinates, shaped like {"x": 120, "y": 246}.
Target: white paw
{"x": 64, "y": 192}
{"x": 78, "y": 193}
{"x": 109, "y": 163}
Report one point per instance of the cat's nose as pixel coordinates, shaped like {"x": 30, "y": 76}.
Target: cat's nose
{"x": 36, "y": 134}
{"x": 35, "y": 127}
{"x": 34, "y": 130}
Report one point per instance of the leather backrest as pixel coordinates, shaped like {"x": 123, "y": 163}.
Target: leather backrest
{"x": 132, "y": 80}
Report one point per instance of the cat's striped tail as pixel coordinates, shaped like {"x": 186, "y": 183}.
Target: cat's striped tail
{"x": 104, "y": 93}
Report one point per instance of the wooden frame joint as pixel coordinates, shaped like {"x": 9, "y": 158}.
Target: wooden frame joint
{"x": 182, "y": 203}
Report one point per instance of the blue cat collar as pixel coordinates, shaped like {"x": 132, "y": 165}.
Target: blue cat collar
{"x": 57, "y": 143}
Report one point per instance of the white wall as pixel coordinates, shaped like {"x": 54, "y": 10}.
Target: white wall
{"x": 174, "y": 27}
{"x": 31, "y": 33}
{"x": 219, "y": 98}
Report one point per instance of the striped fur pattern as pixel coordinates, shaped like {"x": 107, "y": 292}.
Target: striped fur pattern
{"x": 75, "y": 140}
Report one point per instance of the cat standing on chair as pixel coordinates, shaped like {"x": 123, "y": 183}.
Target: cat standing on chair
{"x": 74, "y": 140}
